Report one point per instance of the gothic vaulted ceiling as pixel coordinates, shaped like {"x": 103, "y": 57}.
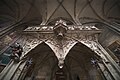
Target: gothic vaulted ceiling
{"x": 34, "y": 12}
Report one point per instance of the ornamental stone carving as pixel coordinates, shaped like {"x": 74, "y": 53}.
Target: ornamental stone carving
{"x": 62, "y": 37}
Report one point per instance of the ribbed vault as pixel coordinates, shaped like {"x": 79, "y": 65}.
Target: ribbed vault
{"x": 32, "y": 12}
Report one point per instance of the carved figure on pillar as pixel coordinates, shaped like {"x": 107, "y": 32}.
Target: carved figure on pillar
{"x": 16, "y": 51}
{"x": 61, "y": 62}
{"x": 60, "y": 29}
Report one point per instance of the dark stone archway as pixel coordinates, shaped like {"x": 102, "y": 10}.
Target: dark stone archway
{"x": 78, "y": 63}
{"x": 44, "y": 63}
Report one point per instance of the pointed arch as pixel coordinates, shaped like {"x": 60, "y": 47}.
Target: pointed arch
{"x": 43, "y": 58}
{"x": 78, "y": 61}
{"x": 80, "y": 45}
{"x": 39, "y": 50}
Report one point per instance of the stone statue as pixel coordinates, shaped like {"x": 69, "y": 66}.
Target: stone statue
{"x": 16, "y": 51}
